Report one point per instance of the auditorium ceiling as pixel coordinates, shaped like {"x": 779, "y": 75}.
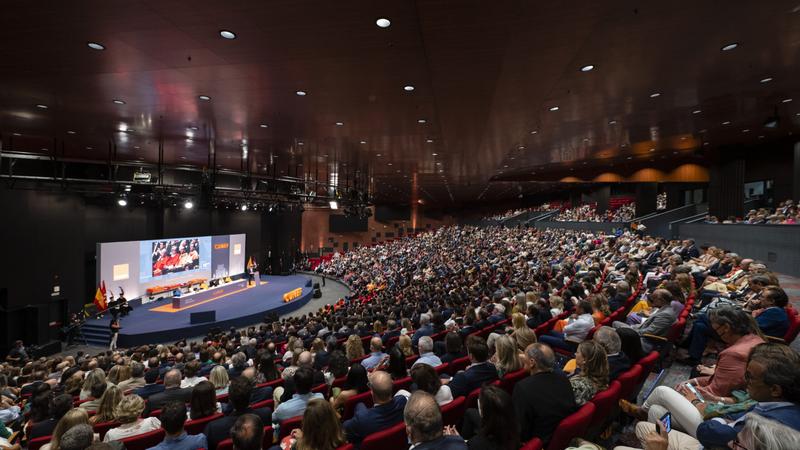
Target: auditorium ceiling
{"x": 456, "y": 101}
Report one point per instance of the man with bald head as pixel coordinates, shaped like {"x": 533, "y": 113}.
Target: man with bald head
{"x": 386, "y": 412}
{"x": 544, "y": 398}
{"x": 424, "y": 428}
{"x": 376, "y": 353}
{"x": 172, "y": 391}
{"x": 304, "y": 360}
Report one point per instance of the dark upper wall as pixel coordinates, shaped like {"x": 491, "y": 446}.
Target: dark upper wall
{"x": 48, "y": 234}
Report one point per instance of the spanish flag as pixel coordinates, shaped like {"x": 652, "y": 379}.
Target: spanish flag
{"x": 100, "y": 300}
{"x": 250, "y": 262}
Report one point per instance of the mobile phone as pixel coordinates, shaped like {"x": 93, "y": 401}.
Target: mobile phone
{"x": 696, "y": 394}
{"x": 666, "y": 419}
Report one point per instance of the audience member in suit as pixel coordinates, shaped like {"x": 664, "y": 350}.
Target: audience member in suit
{"x": 387, "y": 412}
{"x": 322, "y": 353}
{"x": 424, "y": 426}
{"x": 623, "y": 291}
{"x": 239, "y": 397}
{"x": 304, "y": 360}
{"x": 659, "y": 322}
{"x": 238, "y": 364}
{"x": 544, "y": 398}
{"x": 425, "y": 329}
{"x": 58, "y": 407}
{"x": 394, "y": 331}
{"x": 151, "y": 387}
{"x": 172, "y": 391}
{"x": 617, "y": 361}
{"x": 481, "y": 371}
{"x": 454, "y": 348}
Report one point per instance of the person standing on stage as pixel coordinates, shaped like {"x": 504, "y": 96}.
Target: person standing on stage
{"x": 115, "y": 327}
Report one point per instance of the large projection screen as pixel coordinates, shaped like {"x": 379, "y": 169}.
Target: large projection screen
{"x": 137, "y": 265}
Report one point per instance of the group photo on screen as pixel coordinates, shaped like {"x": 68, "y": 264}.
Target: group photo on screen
{"x": 175, "y": 255}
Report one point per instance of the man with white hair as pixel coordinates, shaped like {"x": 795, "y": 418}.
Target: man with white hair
{"x": 425, "y": 328}
{"x": 426, "y": 355}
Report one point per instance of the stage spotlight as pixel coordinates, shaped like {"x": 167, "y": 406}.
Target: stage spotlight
{"x": 271, "y": 207}
{"x": 334, "y": 204}
{"x": 122, "y": 202}
{"x": 188, "y": 204}
{"x": 244, "y": 207}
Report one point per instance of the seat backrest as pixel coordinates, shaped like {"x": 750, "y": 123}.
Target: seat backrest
{"x": 442, "y": 368}
{"x": 321, "y": 389}
{"x": 339, "y": 382}
{"x": 102, "y": 428}
{"x": 273, "y": 384}
{"x": 403, "y": 383}
{"x": 347, "y": 446}
{"x": 266, "y": 441}
{"x": 508, "y": 382}
{"x": 533, "y": 444}
{"x": 472, "y": 398}
{"x": 350, "y": 404}
{"x": 458, "y": 364}
{"x": 411, "y": 359}
{"x": 647, "y": 363}
{"x": 268, "y": 403}
{"x": 197, "y": 426}
{"x": 629, "y": 380}
{"x": 287, "y": 426}
{"x": 144, "y": 441}
{"x": 604, "y": 402}
{"x": 794, "y": 325}
{"x": 227, "y": 444}
{"x": 390, "y": 438}
{"x": 574, "y": 425}
{"x": 453, "y": 412}
{"x": 36, "y": 444}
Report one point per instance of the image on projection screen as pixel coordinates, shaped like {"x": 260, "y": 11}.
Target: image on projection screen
{"x": 165, "y": 258}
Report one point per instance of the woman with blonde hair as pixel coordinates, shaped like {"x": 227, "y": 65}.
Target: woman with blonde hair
{"x": 592, "y": 361}
{"x": 404, "y": 344}
{"x": 322, "y": 429}
{"x": 73, "y": 417}
{"x": 354, "y": 349}
{"x": 556, "y": 305}
{"x": 128, "y": 412}
{"x": 523, "y": 338}
{"x": 600, "y": 309}
{"x": 105, "y": 412}
{"x": 95, "y": 377}
{"x": 219, "y": 378}
{"x": 518, "y": 321}
{"x": 506, "y": 357}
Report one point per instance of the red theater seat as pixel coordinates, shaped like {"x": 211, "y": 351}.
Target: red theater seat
{"x": 197, "y": 426}
{"x": 574, "y": 425}
{"x": 36, "y": 444}
{"x": 533, "y": 444}
{"x": 453, "y": 412}
{"x": 508, "y": 382}
{"x": 144, "y": 441}
{"x": 391, "y": 438}
{"x": 287, "y": 426}
{"x": 102, "y": 428}
{"x": 457, "y": 365}
{"x": 350, "y": 404}
{"x": 604, "y": 402}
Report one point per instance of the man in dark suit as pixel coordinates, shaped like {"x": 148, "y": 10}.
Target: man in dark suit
{"x": 623, "y": 291}
{"x": 618, "y": 362}
{"x": 172, "y": 391}
{"x": 425, "y": 329}
{"x": 304, "y": 360}
{"x": 239, "y": 396}
{"x": 424, "y": 424}
{"x": 478, "y": 373}
{"x": 544, "y": 398}
{"x": 394, "y": 331}
{"x": 387, "y": 411}
{"x": 151, "y": 387}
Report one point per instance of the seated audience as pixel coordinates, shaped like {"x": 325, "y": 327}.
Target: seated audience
{"x": 105, "y": 412}
{"x": 151, "y": 385}
{"x": 239, "y": 398}
{"x": 454, "y": 348}
{"x": 128, "y": 412}
{"x": 478, "y": 373}
{"x": 618, "y": 362}
{"x": 219, "y": 378}
{"x": 59, "y": 406}
{"x": 426, "y": 379}
{"x": 173, "y": 416}
{"x": 73, "y": 418}
{"x": 172, "y": 391}
{"x": 426, "y": 355}
{"x": 506, "y": 357}
{"x": 575, "y": 331}
{"x": 136, "y": 380}
{"x": 493, "y": 425}
{"x": 424, "y": 426}
{"x": 376, "y": 353}
{"x": 247, "y": 432}
{"x": 203, "y": 402}
{"x": 303, "y": 380}
{"x": 356, "y": 383}
{"x": 658, "y": 323}
{"x": 592, "y": 376}
{"x": 386, "y": 412}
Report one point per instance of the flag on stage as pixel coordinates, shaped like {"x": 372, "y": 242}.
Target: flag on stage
{"x": 250, "y": 262}
{"x": 100, "y": 299}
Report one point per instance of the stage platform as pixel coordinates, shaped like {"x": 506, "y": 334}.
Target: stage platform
{"x": 235, "y": 306}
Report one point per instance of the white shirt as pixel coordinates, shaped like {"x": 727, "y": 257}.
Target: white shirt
{"x": 443, "y": 396}
{"x": 132, "y": 429}
{"x": 579, "y": 328}
{"x": 192, "y": 381}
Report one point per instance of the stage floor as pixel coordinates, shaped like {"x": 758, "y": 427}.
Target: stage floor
{"x": 157, "y": 322}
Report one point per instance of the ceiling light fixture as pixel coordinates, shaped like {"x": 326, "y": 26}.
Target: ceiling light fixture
{"x": 696, "y": 111}
{"x": 434, "y": 154}
{"x": 204, "y": 97}
{"x": 118, "y": 102}
{"x": 193, "y": 128}
{"x": 612, "y": 122}
{"x": 263, "y": 125}
{"x": 408, "y": 88}
{"x": 655, "y": 94}
{"x": 421, "y": 121}
{"x": 339, "y": 124}
{"x": 727, "y": 122}
{"x": 362, "y": 142}
{"x": 96, "y": 46}
{"x": 786, "y": 100}
{"x": 383, "y": 22}
{"x": 122, "y": 202}
{"x": 301, "y": 93}
{"x": 534, "y": 131}
{"x": 729, "y": 47}
{"x": 188, "y": 204}
{"x": 746, "y": 130}
{"x": 587, "y": 68}
{"x": 554, "y": 108}
{"x": 244, "y": 207}
{"x": 429, "y": 141}
{"x": 227, "y": 34}
{"x": 652, "y": 149}
{"x": 41, "y": 106}
{"x": 766, "y": 80}
{"x": 70, "y": 132}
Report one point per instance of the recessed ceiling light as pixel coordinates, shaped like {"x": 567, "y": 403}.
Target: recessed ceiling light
{"x": 70, "y": 132}
{"x": 429, "y": 141}
{"x": 786, "y": 100}
{"x": 408, "y": 88}
{"x": 339, "y": 124}
{"x": 521, "y": 147}
{"x": 612, "y": 122}
{"x": 554, "y": 108}
{"x": 362, "y": 142}
{"x": 301, "y": 93}
{"x": 705, "y": 143}
{"x": 683, "y": 138}
{"x": 534, "y": 131}
{"x": 41, "y": 106}
{"x": 421, "y": 121}
{"x": 299, "y": 143}
{"x": 16, "y": 134}
{"x": 674, "y": 153}
{"x": 383, "y": 22}
{"x": 438, "y": 163}
{"x": 96, "y": 46}
{"x": 118, "y": 102}
{"x": 587, "y": 68}
{"x": 435, "y": 154}
{"x": 193, "y": 128}
{"x": 652, "y": 149}
{"x": 388, "y": 164}
{"x": 697, "y": 111}
{"x": 378, "y": 154}
{"x": 655, "y": 94}
{"x": 630, "y": 157}
{"x": 746, "y": 130}
{"x": 703, "y": 130}
{"x": 505, "y": 166}
{"x": 204, "y": 97}
{"x": 730, "y": 46}
{"x": 761, "y": 136}
{"x": 136, "y": 147}
{"x": 227, "y": 34}
{"x": 263, "y": 125}
{"x": 766, "y": 79}
{"x": 89, "y": 148}
{"x": 727, "y": 122}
